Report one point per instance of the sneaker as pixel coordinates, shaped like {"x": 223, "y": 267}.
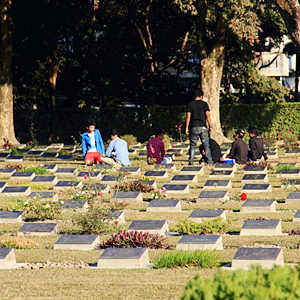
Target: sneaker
{"x": 190, "y": 163}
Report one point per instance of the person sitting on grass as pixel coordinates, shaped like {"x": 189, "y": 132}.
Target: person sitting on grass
{"x": 215, "y": 152}
{"x": 256, "y": 146}
{"x": 92, "y": 144}
{"x": 156, "y": 150}
{"x": 117, "y": 151}
{"x": 239, "y": 149}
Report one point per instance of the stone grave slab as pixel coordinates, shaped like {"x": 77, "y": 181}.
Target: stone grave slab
{"x": 44, "y": 180}
{"x": 7, "y": 172}
{"x": 181, "y": 146}
{"x": 213, "y": 196}
{"x": 103, "y": 166}
{"x": 292, "y": 152}
{"x": 39, "y": 229}
{"x": 131, "y": 152}
{"x": 164, "y": 206}
{"x": 220, "y": 174}
{"x": 184, "y": 179}
{"x": 218, "y": 184}
{"x": 143, "y": 154}
{"x": 40, "y": 147}
{"x": 292, "y": 182}
{"x": 2, "y": 185}
{"x": 261, "y": 227}
{"x": 296, "y": 217}
{"x": 3, "y": 154}
{"x": 253, "y": 178}
{"x": 245, "y": 257}
{"x": 92, "y": 175}
{"x": 124, "y": 258}
{"x": 65, "y": 157}
{"x": 254, "y": 206}
{"x": 167, "y": 167}
{"x": 10, "y": 216}
{"x": 109, "y": 179}
{"x": 83, "y": 242}
{"x": 223, "y": 166}
{"x": 24, "y": 176}
{"x": 293, "y": 197}
{"x": 175, "y": 151}
{"x": 156, "y": 174}
{"x": 14, "y": 191}
{"x": 35, "y": 152}
{"x": 7, "y": 258}
{"x": 49, "y": 155}
{"x": 98, "y": 187}
{"x": 119, "y": 216}
{"x": 50, "y": 167}
{"x": 200, "y": 242}
{"x": 131, "y": 170}
{"x": 135, "y": 196}
{"x": 257, "y": 188}
{"x": 255, "y": 170}
{"x": 272, "y": 154}
{"x": 66, "y": 172}
{"x": 192, "y": 170}
{"x": 57, "y": 145}
{"x": 49, "y": 196}
{"x": 200, "y": 215}
{"x": 284, "y": 164}
{"x": 75, "y": 205}
{"x": 15, "y": 158}
{"x": 176, "y": 188}
{"x": 151, "y": 183}
{"x": 71, "y": 149}
{"x": 67, "y": 184}
{"x": 152, "y": 226}
{"x": 289, "y": 173}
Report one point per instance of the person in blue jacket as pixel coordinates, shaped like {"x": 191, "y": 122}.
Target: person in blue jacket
{"x": 92, "y": 144}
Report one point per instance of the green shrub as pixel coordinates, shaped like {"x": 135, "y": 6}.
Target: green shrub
{"x": 37, "y": 210}
{"x": 203, "y": 259}
{"x": 134, "y": 186}
{"x": 135, "y": 239}
{"x": 214, "y": 226}
{"x": 36, "y": 170}
{"x": 285, "y": 167}
{"x": 278, "y": 283}
{"x": 130, "y": 139}
{"x": 96, "y": 220}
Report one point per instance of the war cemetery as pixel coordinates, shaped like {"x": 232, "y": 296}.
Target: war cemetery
{"x": 149, "y": 150}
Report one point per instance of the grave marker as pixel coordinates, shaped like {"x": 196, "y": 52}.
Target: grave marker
{"x": 250, "y": 178}
{"x": 156, "y": 174}
{"x": 245, "y": 257}
{"x": 152, "y": 226}
{"x": 224, "y": 166}
{"x": 7, "y": 172}
{"x": 7, "y": 258}
{"x": 213, "y": 196}
{"x": 184, "y": 179}
{"x": 84, "y": 242}
{"x": 109, "y": 179}
{"x": 75, "y": 205}
{"x": 297, "y": 216}
{"x": 131, "y": 170}
{"x": 124, "y": 258}
{"x": 49, "y": 155}
{"x": 15, "y": 191}
{"x": 255, "y": 170}
{"x": 39, "y": 229}
{"x": 135, "y": 196}
{"x": 2, "y": 185}
{"x": 254, "y": 206}
{"x": 50, "y": 196}
{"x": 218, "y": 184}
{"x": 289, "y": 173}
{"x": 200, "y": 242}
{"x": 192, "y": 170}
{"x": 257, "y": 188}
{"x": 164, "y": 206}
{"x": 176, "y": 188}
{"x": 151, "y": 183}
{"x": 51, "y": 167}
{"x": 221, "y": 174}
{"x": 66, "y": 185}
{"x": 10, "y": 216}
{"x": 44, "y": 180}
{"x": 200, "y": 215}
{"x": 24, "y": 176}
{"x": 15, "y": 158}
{"x": 261, "y": 227}
{"x": 92, "y": 175}
{"x": 293, "y": 197}
{"x": 66, "y": 171}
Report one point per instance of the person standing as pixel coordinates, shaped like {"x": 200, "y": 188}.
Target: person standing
{"x": 117, "y": 151}
{"x": 92, "y": 144}
{"x": 197, "y": 119}
{"x": 256, "y": 146}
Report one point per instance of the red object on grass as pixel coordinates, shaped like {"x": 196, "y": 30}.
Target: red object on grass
{"x": 243, "y": 196}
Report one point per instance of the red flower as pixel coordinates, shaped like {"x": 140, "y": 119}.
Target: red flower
{"x": 103, "y": 218}
{"x": 288, "y": 131}
{"x": 176, "y": 126}
{"x": 243, "y": 196}
{"x": 90, "y": 202}
{"x": 279, "y": 134}
{"x": 96, "y": 214}
{"x": 30, "y": 142}
{"x": 116, "y": 222}
{"x": 85, "y": 176}
{"x": 99, "y": 194}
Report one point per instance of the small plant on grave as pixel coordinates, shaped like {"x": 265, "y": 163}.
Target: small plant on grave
{"x": 285, "y": 167}
{"x": 18, "y": 243}
{"x": 97, "y": 220}
{"x": 137, "y": 185}
{"x": 203, "y": 259}
{"x": 117, "y": 205}
{"x": 37, "y": 210}
{"x": 289, "y": 138}
{"x": 17, "y": 167}
{"x": 36, "y": 170}
{"x": 18, "y": 204}
{"x": 257, "y": 219}
{"x": 160, "y": 194}
{"x": 135, "y": 239}
{"x": 15, "y": 151}
{"x": 211, "y": 226}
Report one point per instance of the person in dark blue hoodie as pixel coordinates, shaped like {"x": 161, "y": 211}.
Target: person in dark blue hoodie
{"x": 92, "y": 144}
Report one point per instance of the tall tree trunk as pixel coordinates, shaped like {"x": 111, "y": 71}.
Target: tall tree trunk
{"x": 53, "y": 72}
{"x": 7, "y": 131}
{"x": 211, "y": 76}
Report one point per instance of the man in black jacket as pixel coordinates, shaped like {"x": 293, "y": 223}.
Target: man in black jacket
{"x": 239, "y": 149}
{"x": 215, "y": 152}
{"x": 256, "y": 146}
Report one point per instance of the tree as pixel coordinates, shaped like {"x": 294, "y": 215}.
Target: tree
{"x": 7, "y": 132}
{"x": 214, "y": 19}
{"x": 290, "y": 12}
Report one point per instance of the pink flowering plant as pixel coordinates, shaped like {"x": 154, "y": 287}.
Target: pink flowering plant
{"x": 160, "y": 194}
